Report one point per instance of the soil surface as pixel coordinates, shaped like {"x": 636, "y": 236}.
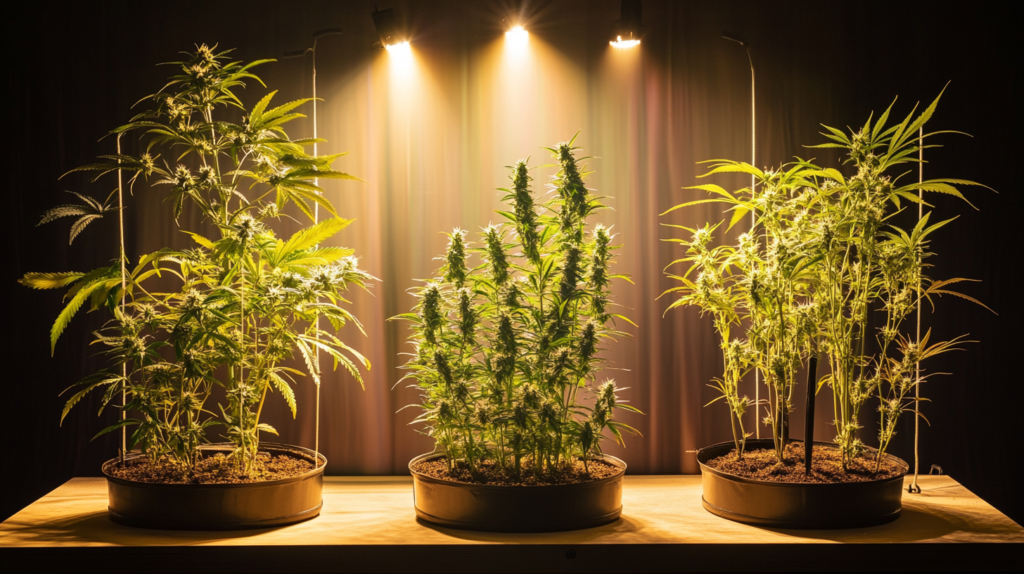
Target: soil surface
{"x": 826, "y": 466}
{"x": 214, "y": 469}
{"x": 489, "y": 472}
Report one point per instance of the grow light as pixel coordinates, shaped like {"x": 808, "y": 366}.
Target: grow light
{"x": 517, "y": 35}
{"x": 621, "y": 44}
{"x": 389, "y": 34}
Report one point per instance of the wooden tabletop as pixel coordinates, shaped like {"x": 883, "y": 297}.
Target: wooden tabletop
{"x": 368, "y": 523}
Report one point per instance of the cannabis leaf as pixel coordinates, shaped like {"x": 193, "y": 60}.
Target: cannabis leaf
{"x": 87, "y": 212}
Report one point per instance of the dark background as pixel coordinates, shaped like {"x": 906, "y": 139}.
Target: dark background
{"x": 74, "y": 69}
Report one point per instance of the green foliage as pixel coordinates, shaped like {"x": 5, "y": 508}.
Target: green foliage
{"x": 88, "y": 212}
{"x": 245, "y": 302}
{"x": 503, "y": 349}
{"x": 821, "y": 266}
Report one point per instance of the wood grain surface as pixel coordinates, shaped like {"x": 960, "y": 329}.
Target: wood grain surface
{"x": 368, "y": 524}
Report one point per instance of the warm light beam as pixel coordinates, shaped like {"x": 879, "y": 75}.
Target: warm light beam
{"x": 402, "y": 61}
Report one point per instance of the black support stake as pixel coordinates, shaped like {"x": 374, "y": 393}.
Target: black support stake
{"x": 812, "y": 383}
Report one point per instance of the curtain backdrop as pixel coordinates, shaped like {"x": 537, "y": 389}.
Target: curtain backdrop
{"x": 431, "y": 132}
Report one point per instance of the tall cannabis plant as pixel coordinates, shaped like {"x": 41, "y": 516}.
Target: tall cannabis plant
{"x": 246, "y": 300}
{"x": 505, "y": 350}
{"x": 822, "y": 263}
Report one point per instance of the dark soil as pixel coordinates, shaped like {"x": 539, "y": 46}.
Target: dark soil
{"x": 215, "y": 469}
{"x": 489, "y": 472}
{"x": 826, "y": 466}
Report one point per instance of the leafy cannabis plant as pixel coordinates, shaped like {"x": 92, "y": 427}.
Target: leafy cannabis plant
{"x": 246, "y": 300}
{"x": 503, "y": 349}
{"x": 823, "y": 272}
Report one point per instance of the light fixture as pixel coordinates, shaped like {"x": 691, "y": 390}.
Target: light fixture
{"x": 626, "y": 31}
{"x": 515, "y": 22}
{"x": 517, "y": 38}
{"x": 753, "y": 182}
{"x": 517, "y": 33}
{"x": 621, "y": 43}
{"x": 316, "y": 181}
{"x": 388, "y": 33}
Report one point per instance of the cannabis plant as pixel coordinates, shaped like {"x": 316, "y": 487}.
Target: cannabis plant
{"x": 822, "y": 273}
{"x": 505, "y": 350}
{"x": 244, "y": 300}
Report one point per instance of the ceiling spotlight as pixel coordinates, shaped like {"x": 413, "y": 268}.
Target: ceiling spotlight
{"x": 517, "y": 33}
{"x": 622, "y": 44}
{"x": 388, "y": 32}
{"x": 515, "y": 21}
{"x": 627, "y": 30}
{"x": 399, "y": 47}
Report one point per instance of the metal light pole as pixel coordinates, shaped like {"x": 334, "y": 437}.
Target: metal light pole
{"x": 914, "y": 488}
{"x": 316, "y": 213}
{"x": 753, "y": 181}
{"x": 124, "y": 366}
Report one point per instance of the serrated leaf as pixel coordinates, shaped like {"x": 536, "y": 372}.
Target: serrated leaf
{"x": 91, "y": 382}
{"x": 286, "y": 391}
{"x": 737, "y": 216}
{"x": 202, "y": 241}
{"x": 712, "y": 188}
{"x": 69, "y": 312}
{"x": 79, "y": 226}
{"x": 257, "y": 110}
{"x": 50, "y": 280}
{"x": 738, "y": 167}
{"x": 61, "y": 211}
{"x": 692, "y": 203}
{"x": 311, "y": 236}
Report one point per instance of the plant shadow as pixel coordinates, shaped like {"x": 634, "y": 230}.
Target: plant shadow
{"x": 97, "y": 528}
{"x": 913, "y": 525}
{"x": 624, "y": 524}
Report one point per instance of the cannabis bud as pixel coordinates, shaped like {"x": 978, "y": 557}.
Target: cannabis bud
{"x": 148, "y": 163}
{"x": 606, "y": 394}
{"x": 443, "y": 368}
{"x": 570, "y": 272}
{"x": 467, "y": 314}
{"x": 588, "y": 342}
{"x": 430, "y": 311}
{"x": 526, "y": 216}
{"x": 530, "y": 396}
{"x": 183, "y": 177}
{"x": 496, "y": 254}
{"x": 520, "y": 416}
{"x": 455, "y": 258}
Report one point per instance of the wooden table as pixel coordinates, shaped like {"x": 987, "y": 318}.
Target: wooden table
{"x": 368, "y": 525}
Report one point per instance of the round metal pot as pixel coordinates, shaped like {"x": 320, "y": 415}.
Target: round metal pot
{"x": 490, "y": 508}
{"x": 218, "y": 506}
{"x": 795, "y": 505}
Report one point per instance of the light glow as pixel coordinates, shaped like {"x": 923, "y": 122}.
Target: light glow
{"x": 621, "y": 44}
{"x": 401, "y": 47}
{"x": 517, "y": 35}
{"x": 402, "y": 61}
